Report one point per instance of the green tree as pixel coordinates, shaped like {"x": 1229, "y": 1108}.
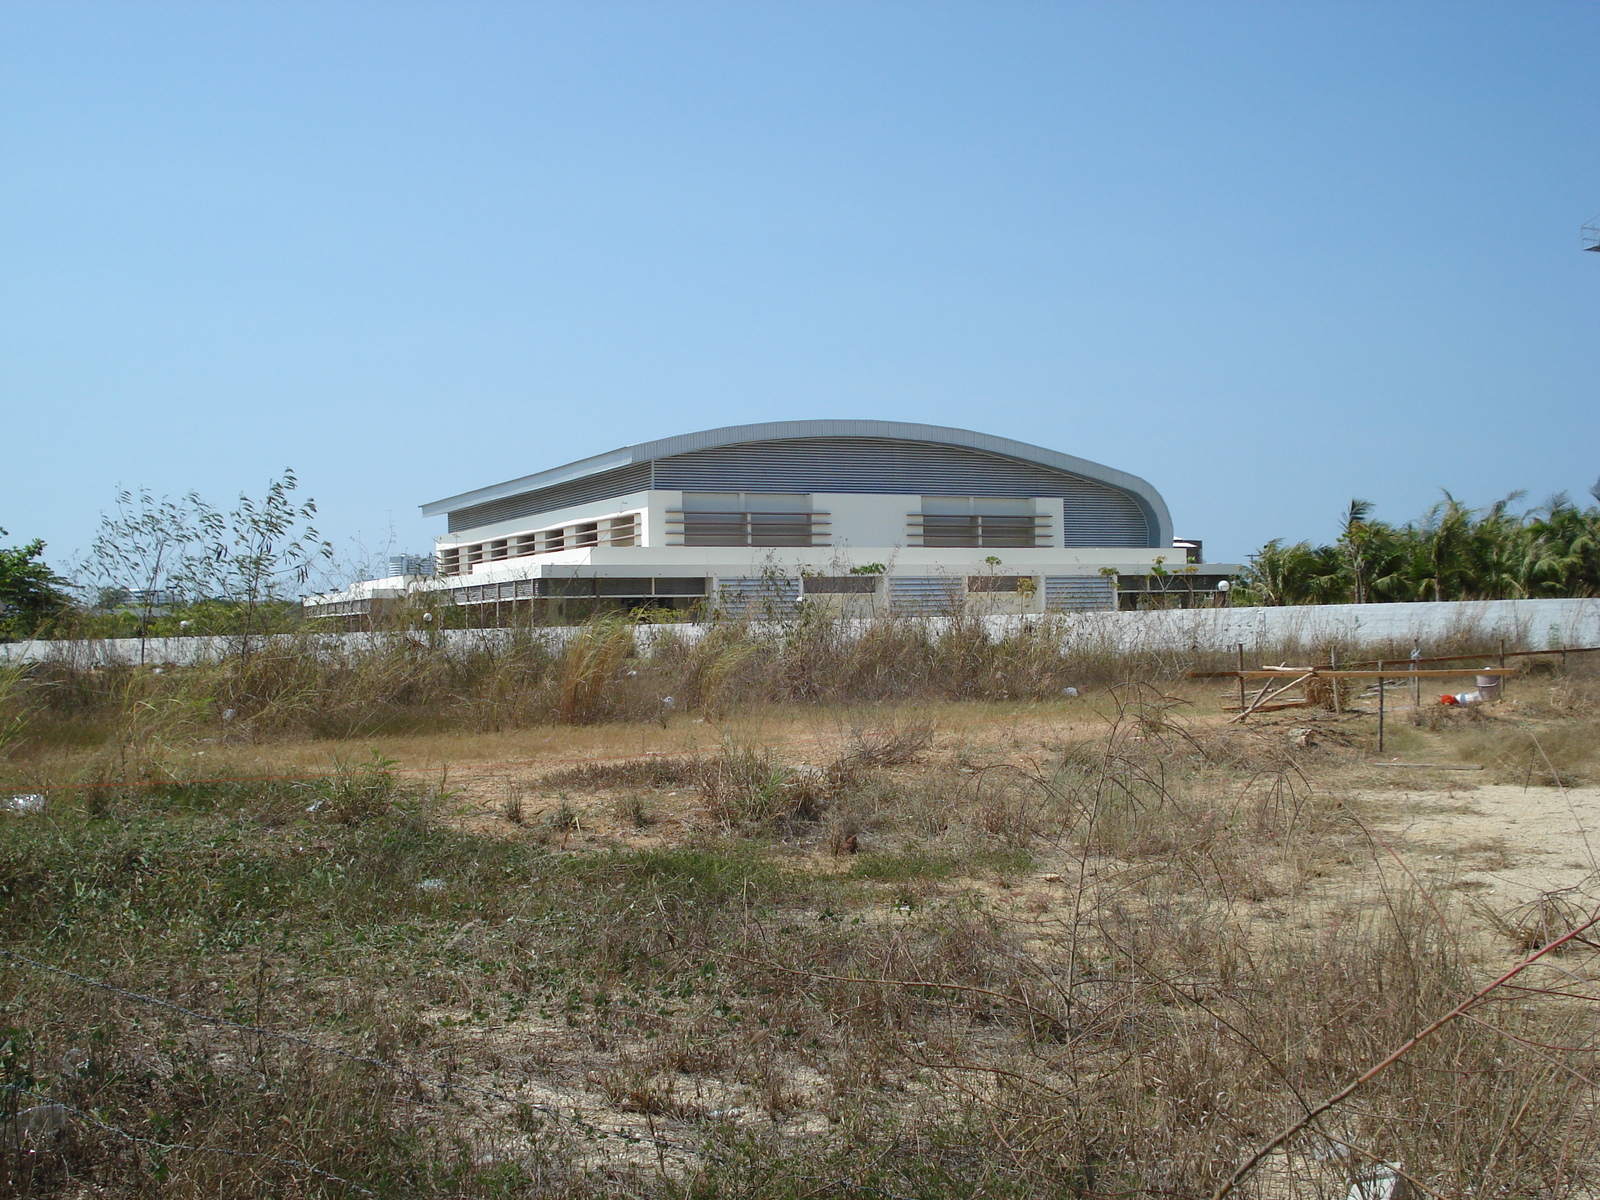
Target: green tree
{"x": 31, "y": 594}
{"x": 150, "y": 553}
{"x": 260, "y": 550}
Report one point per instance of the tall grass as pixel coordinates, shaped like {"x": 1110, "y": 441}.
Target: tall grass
{"x": 393, "y": 684}
{"x": 1109, "y": 973}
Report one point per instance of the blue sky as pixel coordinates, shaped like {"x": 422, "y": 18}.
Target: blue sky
{"x": 1269, "y": 256}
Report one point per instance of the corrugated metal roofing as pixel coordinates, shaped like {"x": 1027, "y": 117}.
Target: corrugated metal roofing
{"x": 1103, "y": 506}
{"x": 618, "y": 482}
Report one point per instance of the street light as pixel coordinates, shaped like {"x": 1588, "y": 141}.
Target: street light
{"x": 1223, "y": 588}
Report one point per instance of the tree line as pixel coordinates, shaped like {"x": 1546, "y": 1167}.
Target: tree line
{"x": 159, "y": 565}
{"x": 1452, "y": 553}
{"x": 155, "y": 559}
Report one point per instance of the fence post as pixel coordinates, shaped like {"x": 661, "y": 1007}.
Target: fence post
{"x": 1380, "y": 706}
{"x": 1241, "y": 676}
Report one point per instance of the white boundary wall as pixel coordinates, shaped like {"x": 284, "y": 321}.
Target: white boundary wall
{"x": 1536, "y": 624}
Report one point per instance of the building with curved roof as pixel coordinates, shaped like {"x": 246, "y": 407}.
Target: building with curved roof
{"x": 859, "y": 515}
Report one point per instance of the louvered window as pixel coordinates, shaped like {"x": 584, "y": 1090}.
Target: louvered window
{"x": 748, "y": 528}
{"x": 978, "y": 529}
{"x": 839, "y": 585}
{"x": 997, "y": 583}
{"x": 746, "y": 519}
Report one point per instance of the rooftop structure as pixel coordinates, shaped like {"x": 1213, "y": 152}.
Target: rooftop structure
{"x": 856, "y": 515}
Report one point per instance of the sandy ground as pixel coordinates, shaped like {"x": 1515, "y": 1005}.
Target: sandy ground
{"x": 1509, "y": 842}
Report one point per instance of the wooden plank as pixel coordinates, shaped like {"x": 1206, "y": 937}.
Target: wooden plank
{"x": 1395, "y": 672}
{"x": 1426, "y": 766}
{"x": 1263, "y": 698}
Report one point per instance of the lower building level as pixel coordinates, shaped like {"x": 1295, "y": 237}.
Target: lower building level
{"x": 736, "y": 583}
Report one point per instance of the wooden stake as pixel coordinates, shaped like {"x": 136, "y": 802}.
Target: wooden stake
{"x": 1241, "y": 676}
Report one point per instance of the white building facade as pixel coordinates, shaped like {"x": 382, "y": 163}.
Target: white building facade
{"x": 859, "y": 516}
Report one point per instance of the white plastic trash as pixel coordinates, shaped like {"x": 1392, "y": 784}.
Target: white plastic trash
{"x": 1381, "y": 1183}
{"x": 27, "y": 802}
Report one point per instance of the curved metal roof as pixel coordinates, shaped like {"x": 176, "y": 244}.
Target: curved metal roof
{"x": 1141, "y": 490}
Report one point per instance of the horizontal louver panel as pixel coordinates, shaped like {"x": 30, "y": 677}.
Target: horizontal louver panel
{"x": 758, "y": 596}
{"x": 912, "y": 595}
{"x": 864, "y": 465}
{"x": 840, "y": 585}
{"x": 1093, "y": 515}
{"x": 1079, "y": 593}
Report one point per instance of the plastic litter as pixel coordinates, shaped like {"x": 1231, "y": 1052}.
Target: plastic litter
{"x": 40, "y": 1120}
{"x": 26, "y": 802}
{"x": 1069, "y": 691}
{"x": 1463, "y": 699}
{"x": 1383, "y": 1182}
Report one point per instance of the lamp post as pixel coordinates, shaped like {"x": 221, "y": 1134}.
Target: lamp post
{"x": 1223, "y": 590}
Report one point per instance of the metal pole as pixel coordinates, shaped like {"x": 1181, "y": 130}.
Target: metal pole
{"x": 1380, "y": 706}
{"x": 1241, "y": 676}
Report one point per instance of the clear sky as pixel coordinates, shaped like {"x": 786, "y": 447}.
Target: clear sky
{"x": 1268, "y": 256}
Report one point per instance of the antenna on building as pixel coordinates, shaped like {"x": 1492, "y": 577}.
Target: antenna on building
{"x": 1591, "y": 234}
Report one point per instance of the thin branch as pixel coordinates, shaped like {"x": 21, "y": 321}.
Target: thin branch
{"x": 1393, "y": 1057}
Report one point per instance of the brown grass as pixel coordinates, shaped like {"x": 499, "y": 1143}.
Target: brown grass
{"x": 1100, "y": 947}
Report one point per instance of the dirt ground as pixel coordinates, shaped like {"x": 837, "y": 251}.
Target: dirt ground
{"x": 1453, "y": 828}
{"x": 1459, "y": 828}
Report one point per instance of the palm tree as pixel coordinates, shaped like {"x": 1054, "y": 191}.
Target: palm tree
{"x": 1355, "y": 536}
{"x": 1277, "y": 573}
{"x": 1452, "y": 553}
{"x": 1496, "y": 550}
{"x": 1561, "y": 556}
{"x": 1446, "y": 531}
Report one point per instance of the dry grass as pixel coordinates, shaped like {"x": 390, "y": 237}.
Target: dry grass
{"x": 1004, "y": 948}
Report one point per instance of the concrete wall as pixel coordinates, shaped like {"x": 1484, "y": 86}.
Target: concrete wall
{"x": 1536, "y": 624}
